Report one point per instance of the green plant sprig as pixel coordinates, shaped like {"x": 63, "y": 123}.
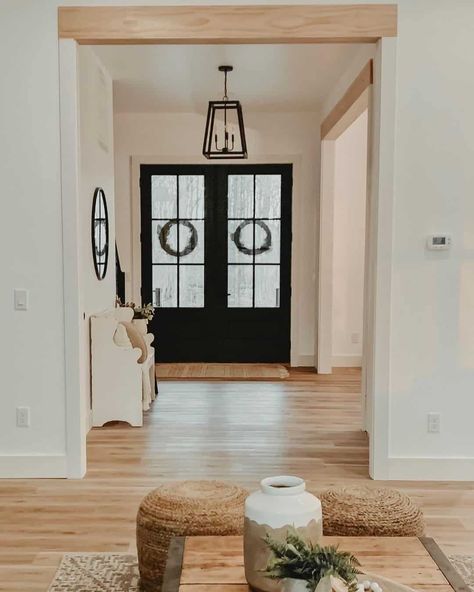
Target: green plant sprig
{"x": 295, "y": 558}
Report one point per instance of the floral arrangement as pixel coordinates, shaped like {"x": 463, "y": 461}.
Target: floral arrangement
{"x": 146, "y": 311}
{"x": 296, "y": 559}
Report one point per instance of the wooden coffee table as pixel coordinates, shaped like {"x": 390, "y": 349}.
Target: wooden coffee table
{"x": 216, "y": 564}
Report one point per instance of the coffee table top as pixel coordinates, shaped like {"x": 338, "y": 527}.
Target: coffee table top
{"x": 216, "y": 564}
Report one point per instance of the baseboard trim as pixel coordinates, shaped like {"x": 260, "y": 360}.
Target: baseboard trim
{"x": 305, "y": 360}
{"x": 347, "y": 361}
{"x": 36, "y": 466}
{"x": 431, "y": 469}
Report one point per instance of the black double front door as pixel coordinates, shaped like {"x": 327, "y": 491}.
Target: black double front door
{"x": 216, "y": 255}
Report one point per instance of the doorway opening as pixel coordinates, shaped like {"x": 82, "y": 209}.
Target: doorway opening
{"x": 374, "y": 23}
{"x": 350, "y": 198}
{"x": 346, "y": 241}
{"x": 216, "y": 260}
{"x": 343, "y": 247}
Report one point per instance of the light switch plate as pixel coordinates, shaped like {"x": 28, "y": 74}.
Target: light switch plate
{"x": 434, "y": 423}
{"x": 23, "y": 417}
{"x": 21, "y": 299}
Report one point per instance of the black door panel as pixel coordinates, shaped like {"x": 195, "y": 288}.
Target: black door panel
{"x": 224, "y": 296}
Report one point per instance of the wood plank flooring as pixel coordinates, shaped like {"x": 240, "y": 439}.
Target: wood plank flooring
{"x": 241, "y": 431}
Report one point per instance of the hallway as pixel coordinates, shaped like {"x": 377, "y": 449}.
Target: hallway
{"x": 243, "y": 431}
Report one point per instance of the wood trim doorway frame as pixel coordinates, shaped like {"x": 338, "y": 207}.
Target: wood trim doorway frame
{"x": 351, "y": 105}
{"x": 356, "y": 99}
{"x": 237, "y": 24}
{"x": 372, "y": 89}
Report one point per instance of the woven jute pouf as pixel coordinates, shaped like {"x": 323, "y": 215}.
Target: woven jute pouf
{"x": 184, "y": 508}
{"x": 363, "y": 511}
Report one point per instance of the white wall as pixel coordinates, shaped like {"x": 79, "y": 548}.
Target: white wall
{"x": 350, "y": 192}
{"x": 178, "y": 137}
{"x": 431, "y": 347}
{"x": 96, "y": 170}
{"x": 432, "y": 342}
{"x": 32, "y": 351}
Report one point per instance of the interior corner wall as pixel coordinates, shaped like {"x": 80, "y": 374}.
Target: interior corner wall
{"x": 96, "y": 149}
{"x": 179, "y": 136}
{"x": 350, "y": 193}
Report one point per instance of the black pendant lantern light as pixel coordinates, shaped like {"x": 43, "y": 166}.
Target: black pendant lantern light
{"x": 225, "y": 133}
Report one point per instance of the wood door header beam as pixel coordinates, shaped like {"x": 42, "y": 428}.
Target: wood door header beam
{"x": 364, "y": 79}
{"x": 351, "y": 23}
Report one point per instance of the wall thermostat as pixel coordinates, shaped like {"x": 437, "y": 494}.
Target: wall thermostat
{"x": 438, "y": 242}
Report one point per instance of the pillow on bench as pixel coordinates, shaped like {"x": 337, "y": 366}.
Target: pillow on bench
{"x": 136, "y": 339}
{"x": 121, "y": 338}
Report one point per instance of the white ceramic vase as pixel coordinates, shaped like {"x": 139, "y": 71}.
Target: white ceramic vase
{"x": 282, "y": 504}
{"x": 291, "y": 585}
{"x": 141, "y": 325}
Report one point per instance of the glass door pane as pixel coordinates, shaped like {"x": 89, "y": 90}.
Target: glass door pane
{"x": 240, "y": 241}
{"x": 267, "y": 286}
{"x": 240, "y": 286}
{"x": 240, "y": 196}
{"x": 191, "y": 286}
{"x": 267, "y": 196}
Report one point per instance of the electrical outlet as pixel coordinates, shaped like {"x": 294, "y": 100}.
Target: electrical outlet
{"x": 355, "y": 337}
{"x": 20, "y": 297}
{"x": 23, "y": 417}
{"x": 434, "y": 423}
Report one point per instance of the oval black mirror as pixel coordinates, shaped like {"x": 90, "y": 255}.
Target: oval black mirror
{"x": 100, "y": 233}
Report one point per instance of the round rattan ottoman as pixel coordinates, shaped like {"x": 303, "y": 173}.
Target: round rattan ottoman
{"x": 183, "y": 508}
{"x": 364, "y": 511}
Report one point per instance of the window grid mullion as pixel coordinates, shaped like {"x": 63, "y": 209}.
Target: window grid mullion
{"x": 177, "y": 242}
{"x": 253, "y": 257}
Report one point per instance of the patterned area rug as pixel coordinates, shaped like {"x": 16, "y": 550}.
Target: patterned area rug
{"x": 465, "y": 566}
{"x": 117, "y": 572}
{"x": 96, "y": 572}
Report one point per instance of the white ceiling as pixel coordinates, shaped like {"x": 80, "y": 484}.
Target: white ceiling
{"x": 183, "y": 78}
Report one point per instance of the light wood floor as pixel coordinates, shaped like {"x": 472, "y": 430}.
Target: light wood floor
{"x": 241, "y": 431}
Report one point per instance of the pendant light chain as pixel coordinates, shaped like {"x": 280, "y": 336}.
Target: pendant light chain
{"x": 225, "y": 97}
